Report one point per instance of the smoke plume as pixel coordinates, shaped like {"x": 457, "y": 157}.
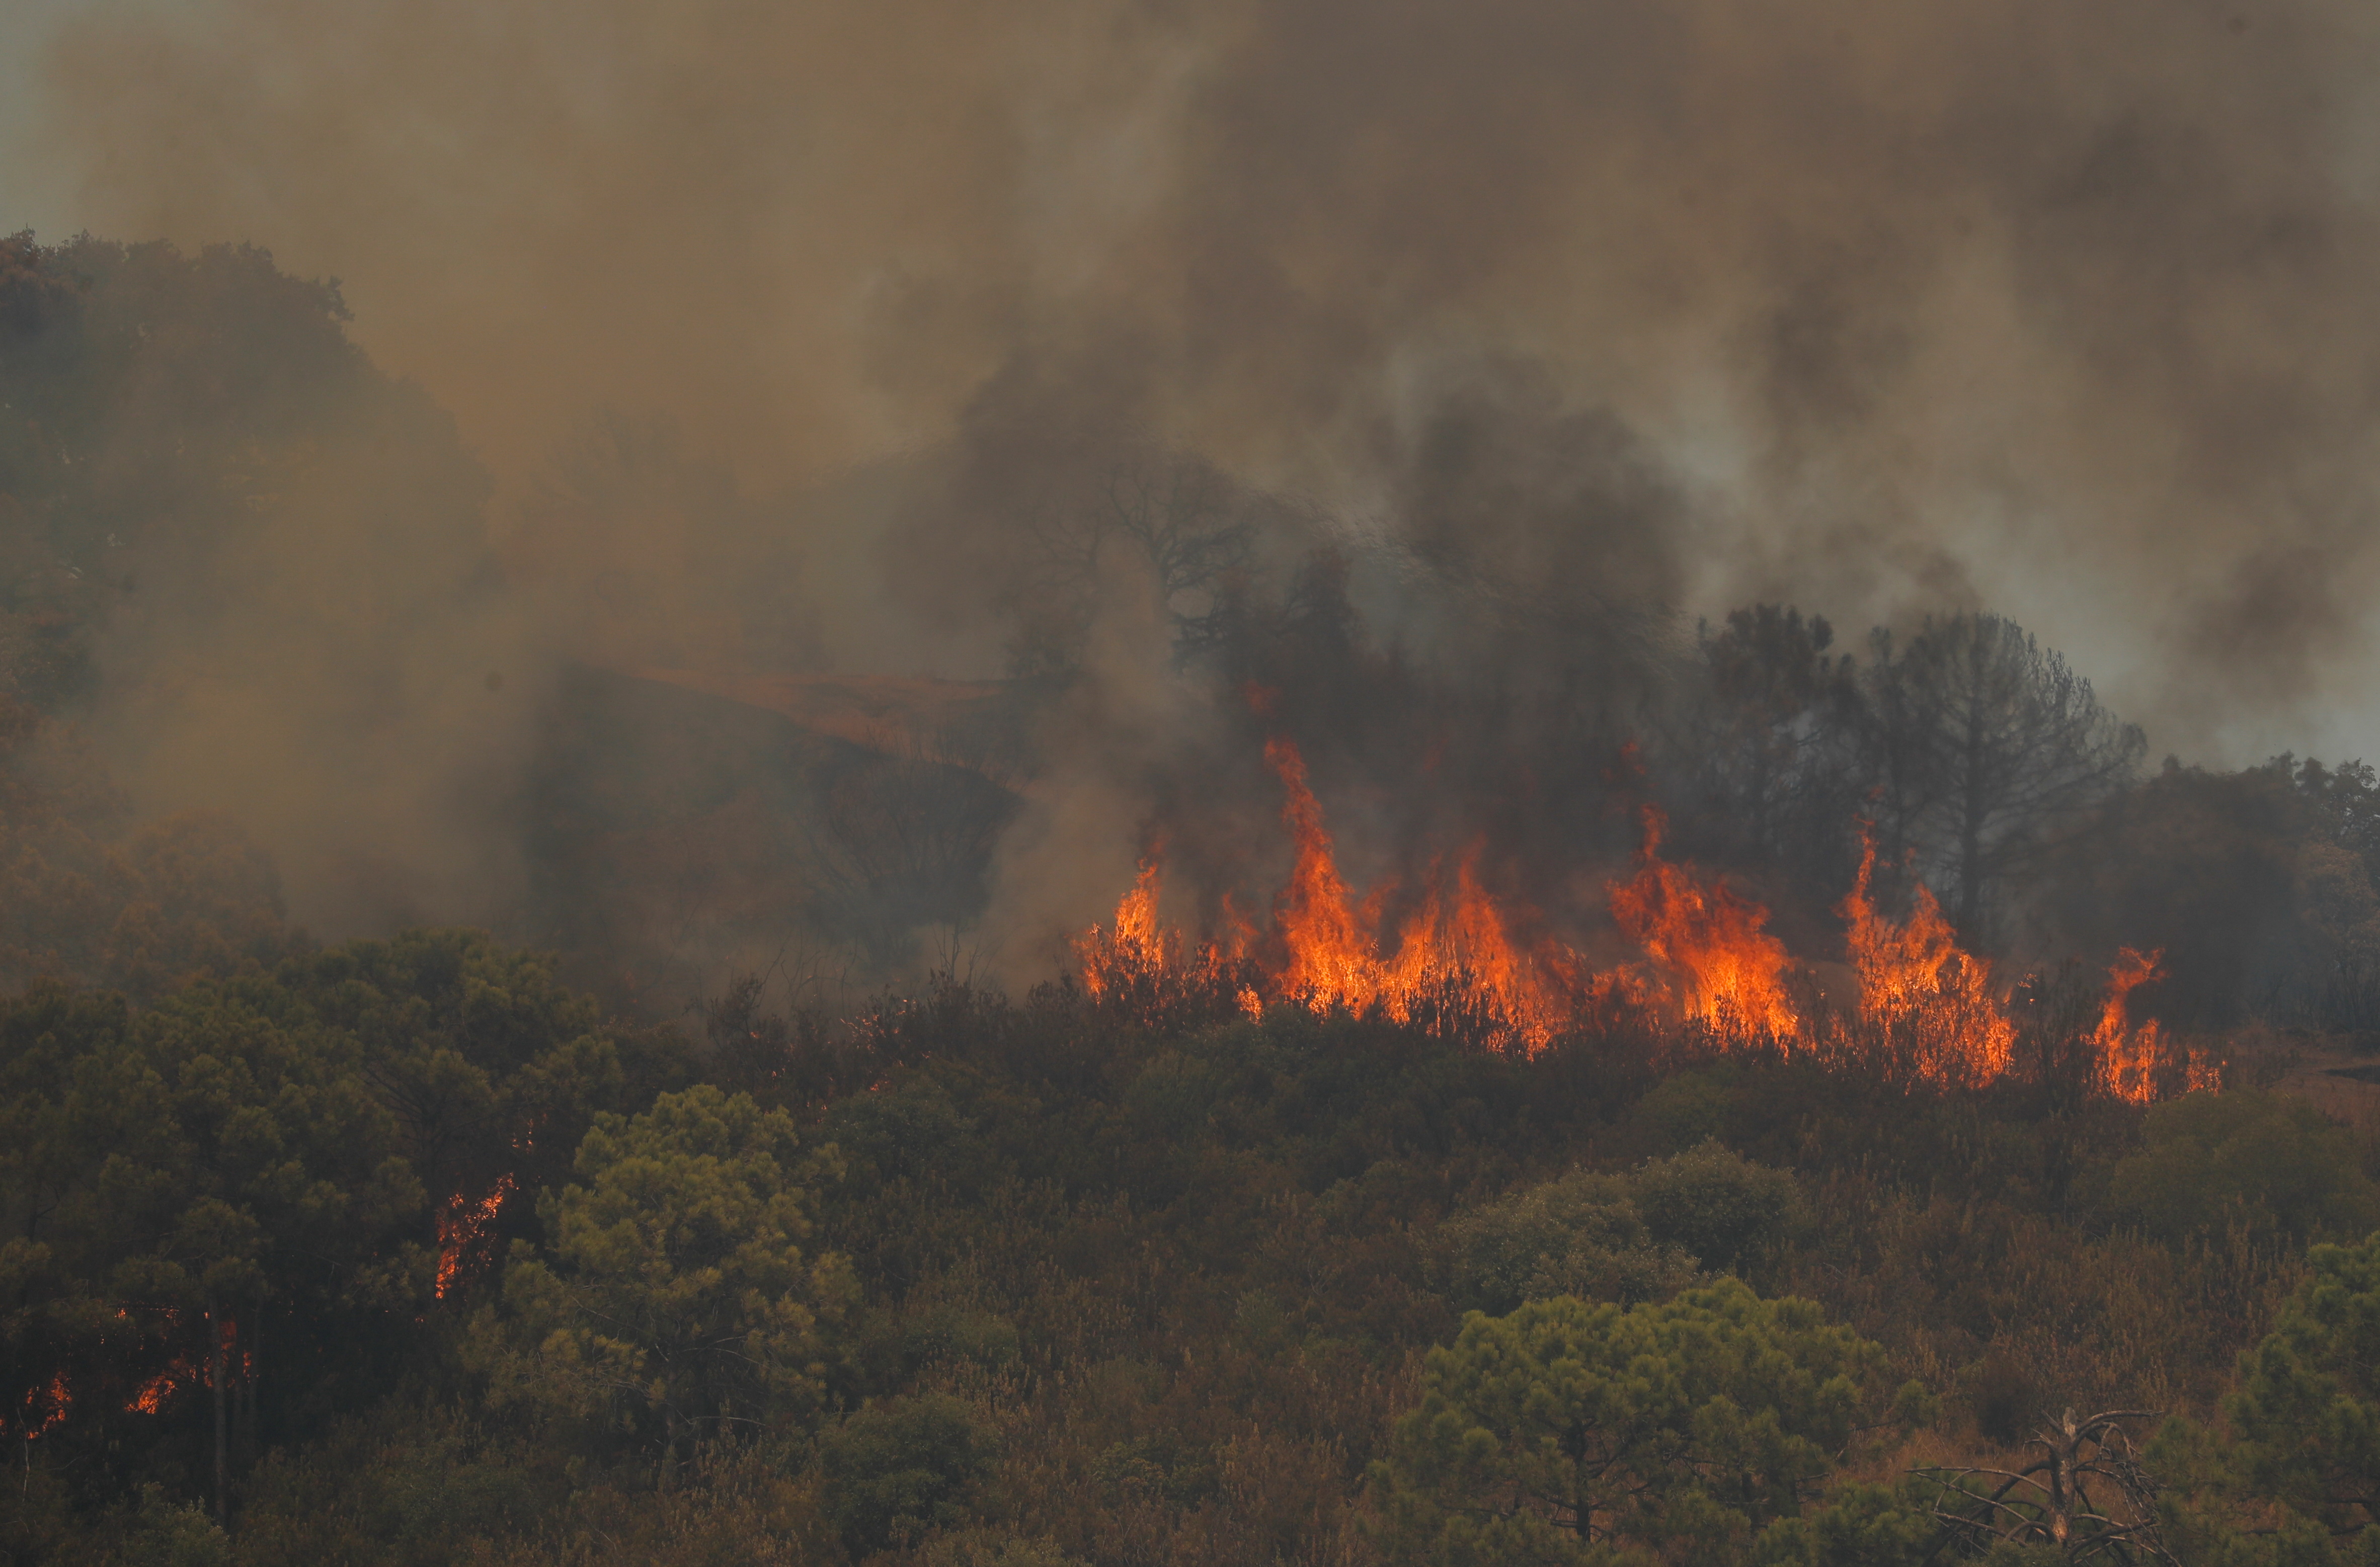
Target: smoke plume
{"x": 1588, "y": 312}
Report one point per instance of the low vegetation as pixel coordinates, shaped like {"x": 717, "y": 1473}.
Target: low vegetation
{"x": 402, "y": 1252}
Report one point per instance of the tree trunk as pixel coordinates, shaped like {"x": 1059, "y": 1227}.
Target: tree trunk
{"x": 222, "y": 1466}
{"x": 247, "y": 1390}
{"x": 1974, "y": 804}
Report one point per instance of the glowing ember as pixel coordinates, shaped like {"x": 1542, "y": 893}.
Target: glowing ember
{"x": 155, "y": 1395}
{"x": 45, "y": 1407}
{"x": 463, "y": 1229}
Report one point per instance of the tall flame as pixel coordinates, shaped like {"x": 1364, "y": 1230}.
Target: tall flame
{"x": 1926, "y": 994}
{"x": 1334, "y": 956}
{"x": 1135, "y": 945}
{"x": 1724, "y": 969}
{"x": 1332, "y": 962}
{"x": 2127, "y": 1056}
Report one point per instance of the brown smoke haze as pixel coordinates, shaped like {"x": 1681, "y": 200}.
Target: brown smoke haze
{"x": 2065, "y": 310}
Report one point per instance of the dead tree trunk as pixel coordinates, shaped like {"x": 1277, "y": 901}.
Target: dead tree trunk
{"x": 221, "y": 1379}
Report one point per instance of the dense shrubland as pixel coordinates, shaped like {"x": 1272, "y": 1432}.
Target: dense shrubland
{"x": 975, "y": 1281}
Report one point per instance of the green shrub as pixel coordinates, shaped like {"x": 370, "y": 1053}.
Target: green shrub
{"x": 1715, "y": 1203}
{"x": 1579, "y": 1235}
{"x": 1693, "y": 1107}
{"x": 2272, "y": 1164}
{"x": 898, "y": 1469}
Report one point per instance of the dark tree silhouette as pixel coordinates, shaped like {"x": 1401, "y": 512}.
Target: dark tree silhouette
{"x": 1186, "y": 528}
{"x": 1767, "y": 732}
{"x": 1982, "y": 745}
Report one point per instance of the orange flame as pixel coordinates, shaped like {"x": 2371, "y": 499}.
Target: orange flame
{"x": 45, "y": 1407}
{"x": 1332, "y": 962}
{"x": 1928, "y": 996}
{"x": 154, "y": 1395}
{"x": 1334, "y": 956}
{"x": 1722, "y": 968}
{"x": 1327, "y": 952}
{"x": 463, "y": 1229}
{"x": 1135, "y": 946}
{"x": 1928, "y": 1009}
{"x": 2127, "y": 1056}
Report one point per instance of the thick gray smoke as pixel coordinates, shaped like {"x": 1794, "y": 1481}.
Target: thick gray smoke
{"x": 2061, "y": 310}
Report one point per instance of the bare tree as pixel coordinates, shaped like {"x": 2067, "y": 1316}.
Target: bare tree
{"x": 1194, "y": 529}
{"x": 1982, "y": 746}
{"x": 2050, "y": 1501}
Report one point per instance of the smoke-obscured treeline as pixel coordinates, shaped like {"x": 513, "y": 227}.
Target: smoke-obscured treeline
{"x": 262, "y": 618}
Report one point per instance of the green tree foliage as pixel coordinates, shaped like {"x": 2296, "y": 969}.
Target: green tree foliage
{"x": 1862, "y": 1524}
{"x": 219, "y": 1221}
{"x": 898, "y": 1469}
{"x": 189, "y": 1172}
{"x": 492, "y": 1066}
{"x": 674, "y": 1297}
{"x": 2271, "y": 1164}
{"x": 1191, "y": 1276}
{"x": 402, "y": 1486}
{"x": 2298, "y": 1483}
{"x": 1579, "y": 1235}
{"x": 1643, "y": 1236}
{"x": 1715, "y": 1203}
{"x": 1571, "y": 1433}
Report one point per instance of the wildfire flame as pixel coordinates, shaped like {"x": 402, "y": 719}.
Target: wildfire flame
{"x": 2127, "y": 1056}
{"x": 1921, "y": 990}
{"x": 1331, "y": 960}
{"x": 1928, "y": 1009}
{"x": 1135, "y": 944}
{"x": 1334, "y": 956}
{"x": 1455, "y": 953}
{"x": 154, "y": 1395}
{"x": 45, "y": 1407}
{"x": 1725, "y": 970}
{"x": 463, "y": 1231}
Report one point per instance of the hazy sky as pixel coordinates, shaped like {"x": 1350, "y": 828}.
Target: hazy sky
{"x": 29, "y": 197}
{"x": 2061, "y": 310}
